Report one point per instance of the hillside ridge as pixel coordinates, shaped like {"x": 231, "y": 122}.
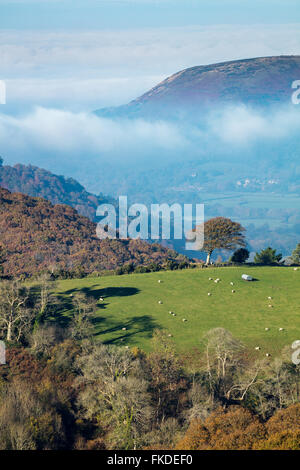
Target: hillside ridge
{"x": 37, "y": 236}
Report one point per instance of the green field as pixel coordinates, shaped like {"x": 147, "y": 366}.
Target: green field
{"x": 132, "y": 302}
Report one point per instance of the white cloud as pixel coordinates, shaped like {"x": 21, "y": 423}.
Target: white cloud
{"x": 45, "y": 134}
{"x": 78, "y": 94}
{"x": 101, "y": 58}
{"x": 69, "y": 142}
{"x": 240, "y": 125}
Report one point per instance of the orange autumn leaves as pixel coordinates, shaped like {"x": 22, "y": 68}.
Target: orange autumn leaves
{"x": 238, "y": 429}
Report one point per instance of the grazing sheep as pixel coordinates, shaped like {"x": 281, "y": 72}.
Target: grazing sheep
{"x": 233, "y": 291}
{"x": 281, "y": 329}
{"x": 124, "y": 329}
{"x": 101, "y": 299}
{"x": 269, "y": 298}
{"x": 267, "y": 329}
{"x": 268, "y": 355}
{"x": 159, "y": 281}
{"x": 257, "y": 348}
{"x": 160, "y": 302}
{"x": 184, "y": 319}
{"x": 209, "y": 294}
{"x": 210, "y": 279}
{"x": 174, "y": 314}
{"x": 71, "y": 295}
{"x": 270, "y": 306}
{"x": 170, "y": 336}
{"x": 232, "y": 284}
{"x": 295, "y": 269}
{"x": 171, "y": 312}
{"x": 126, "y": 347}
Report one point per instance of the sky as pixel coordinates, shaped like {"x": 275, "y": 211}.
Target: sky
{"x": 61, "y": 59}
{"x": 127, "y": 14}
{"x": 107, "y": 52}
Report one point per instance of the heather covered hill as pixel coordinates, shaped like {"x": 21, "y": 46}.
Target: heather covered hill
{"x": 36, "y": 235}
{"x": 258, "y": 81}
{"x": 38, "y": 182}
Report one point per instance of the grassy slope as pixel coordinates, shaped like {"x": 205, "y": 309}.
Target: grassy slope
{"x": 132, "y": 302}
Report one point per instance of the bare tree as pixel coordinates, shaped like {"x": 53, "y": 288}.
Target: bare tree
{"x": 28, "y": 421}
{"x": 115, "y": 394}
{"x": 44, "y": 298}
{"x": 229, "y": 376}
{"x": 84, "y": 309}
{"x": 15, "y": 316}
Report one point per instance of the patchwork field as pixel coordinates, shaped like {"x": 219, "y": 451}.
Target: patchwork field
{"x": 132, "y": 302}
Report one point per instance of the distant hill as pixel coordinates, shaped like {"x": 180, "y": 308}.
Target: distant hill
{"x": 38, "y": 182}
{"x": 259, "y": 81}
{"x": 36, "y": 235}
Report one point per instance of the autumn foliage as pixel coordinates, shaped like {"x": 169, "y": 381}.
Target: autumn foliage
{"x": 37, "y": 235}
{"x": 236, "y": 428}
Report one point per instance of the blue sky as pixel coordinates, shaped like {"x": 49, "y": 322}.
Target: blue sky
{"x": 61, "y": 59}
{"x": 107, "y": 52}
{"x": 111, "y": 14}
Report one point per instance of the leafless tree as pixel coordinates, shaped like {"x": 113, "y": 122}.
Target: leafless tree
{"x": 84, "y": 309}
{"x": 15, "y": 315}
{"x": 115, "y": 394}
{"x": 230, "y": 377}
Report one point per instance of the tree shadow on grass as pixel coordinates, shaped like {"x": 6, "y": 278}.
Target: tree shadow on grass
{"x": 64, "y": 305}
{"x": 138, "y": 325}
{"x": 105, "y": 293}
{"x": 60, "y": 312}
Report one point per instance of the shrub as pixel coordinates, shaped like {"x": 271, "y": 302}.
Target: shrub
{"x": 240, "y": 256}
{"x": 267, "y": 256}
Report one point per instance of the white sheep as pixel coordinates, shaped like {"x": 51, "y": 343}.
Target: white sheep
{"x": 268, "y": 355}
{"x": 267, "y": 329}
{"x": 101, "y": 299}
{"x": 210, "y": 279}
{"x": 295, "y": 269}
{"x": 184, "y": 319}
{"x": 270, "y": 306}
{"x": 233, "y": 291}
{"x": 160, "y": 302}
{"x": 159, "y": 281}
{"x": 257, "y": 348}
{"x": 209, "y": 294}
{"x": 269, "y": 298}
{"x": 174, "y": 314}
{"x": 171, "y": 312}
{"x": 232, "y": 284}
{"x": 281, "y": 329}
{"x": 170, "y": 336}
{"x": 124, "y": 329}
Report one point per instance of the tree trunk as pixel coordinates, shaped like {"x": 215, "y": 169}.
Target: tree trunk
{"x": 208, "y": 258}
{"x": 8, "y": 336}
